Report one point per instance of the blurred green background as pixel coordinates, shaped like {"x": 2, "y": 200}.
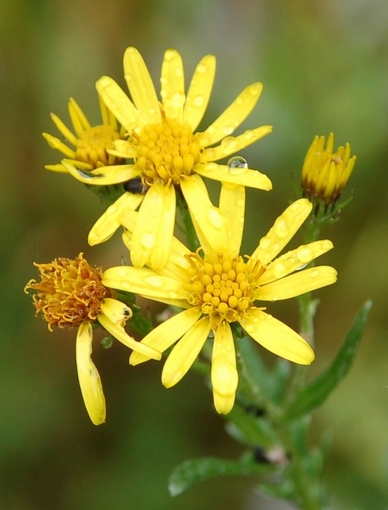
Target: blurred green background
{"x": 324, "y": 68}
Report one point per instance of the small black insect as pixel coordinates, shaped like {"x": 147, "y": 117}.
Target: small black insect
{"x": 135, "y": 186}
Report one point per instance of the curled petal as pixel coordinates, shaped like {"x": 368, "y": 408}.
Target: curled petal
{"x": 88, "y": 376}
{"x": 116, "y": 311}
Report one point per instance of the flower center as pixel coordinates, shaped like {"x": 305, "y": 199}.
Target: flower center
{"x": 224, "y": 288}
{"x": 70, "y": 292}
{"x": 166, "y": 151}
{"x": 93, "y": 143}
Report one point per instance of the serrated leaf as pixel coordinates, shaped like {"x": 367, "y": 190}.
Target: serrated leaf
{"x": 193, "y": 471}
{"x": 315, "y": 393}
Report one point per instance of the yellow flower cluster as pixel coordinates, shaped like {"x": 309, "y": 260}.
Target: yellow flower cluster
{"x": 157, "y": 154}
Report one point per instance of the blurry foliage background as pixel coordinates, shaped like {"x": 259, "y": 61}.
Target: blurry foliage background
{"x": 324, "y": 68}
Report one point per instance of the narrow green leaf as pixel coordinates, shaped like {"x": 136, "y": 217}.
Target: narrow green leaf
{"x": 315, "y": 393}
{"x": 193, "y": 471}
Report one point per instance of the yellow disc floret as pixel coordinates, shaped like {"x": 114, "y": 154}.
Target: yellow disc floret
{"x": 165, "y": 151}
{"x": 93, "y": 143}
{"x": 224, "y": 288}
{"x": 70, "y": 292}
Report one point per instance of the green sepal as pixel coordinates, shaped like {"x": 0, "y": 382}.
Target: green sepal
{"x": 315, "y": 393}
{"x": 193, "y": 471}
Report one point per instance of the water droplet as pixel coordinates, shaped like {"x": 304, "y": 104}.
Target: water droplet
{"x": 201, "y": 68}
{"x": 281, "y": 228}
{"x": 154, "y": 281}
{"x": 255, "y": 89}
{"x": 172, "y": 295}
{"x": 279, "y": 270}
{"x": 151, "y": 111}
{"x": 198, "y": 101}
{"x": 121, "y": 273}
{"x": 240, "y": 202}
{"x": 229, "y": 348}
{"x": 228, "y": 129}
{"x": 178, "y": 72}
{"x": 314, "y": 273}
{"x": 274, "y": 298}
{"x": 125, "y": 284}
{"x": 177, "y": 100}
{"x": 327, "y": 245}
{"x": 237, "y": 165}
{"x": 211, "y": 130}
{"x": 304, "y": 254}
{"x": 214, "y": 217}
{"x": 265, "y": 243}
{"x": 295, "y": 206}
{"x": 229, "y": 143}
{"x": 249, "y": 328}
{"x": 148, "y": 240}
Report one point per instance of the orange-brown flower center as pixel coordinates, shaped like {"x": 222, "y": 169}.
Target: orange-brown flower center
{"x": 70, "y": 292}
{"x": 224, "y": 288}
{"x": 93, "y": 143}
{"x": 166, "y": 151}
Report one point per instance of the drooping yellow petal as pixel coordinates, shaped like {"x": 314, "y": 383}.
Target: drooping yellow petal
{"x": 297, "y": 283}
{"x": 167, "y": 333}
{"x": 143, "y": 281}
{"x": 232, "y": 207}
{"x": 141, "y": 86}
{"x": 58, "y": 145}
{"x": 294, "y": 259}
{"x": 234, "y": 144}
{"x": 207, "y": 219}
{"x": 234, "y": 115}
{"x": 224, "y": 374}
{"x": 284, "y": 228}
{"x": 185, "y": 352}
{"x": 121, "y": 335}
{"x": 110, "y": 220}
{"x": 162, "y": 250}
{"x": 277, "y": 337}
{"x": 237, "y": 175}
{"x": 119, "y": 103}
{"x": 102, "y": 176}
{"x": 88, "y": 376}
{"x": 173, "y": 85}
{"x": 199, "y": 92}
{"x": 116, "y": 311}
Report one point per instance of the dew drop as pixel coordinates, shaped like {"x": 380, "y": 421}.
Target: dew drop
{"x": 281, "y": 228}
{"x": 154, "y": 281}
{"x": 214, "y": 217}
{"x": 124, "y": 284}
{"x": 265, "y": 243}
{"x": 228, "y": 129}
{"x": 229, "y": 143}
{"x": 201, "y": 68}
{"x": 148, "y": 240}
{"x": 249, "y": 327}
{"x": 172, "y": 295}
{"x": 121, "y": 273}
{"x": 237, "y": 165}
{"x": 314, "y": 273}
{"x": 198, "y": 101}
{"x": 178, "y": 72}
{"x": 240, "y": 202}
{"x": 295, "y": 206}
{"x": 327, "y": 245}
{"x": 304, "y": 254}
{"x": 279, "y": 270}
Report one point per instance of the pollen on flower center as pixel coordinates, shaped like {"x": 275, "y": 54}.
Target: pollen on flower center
{"x": 70, "y": 292}
{"x": 166, "y": 151}
{"x": 93, "y": 143}
{"x": 224, "y": 288}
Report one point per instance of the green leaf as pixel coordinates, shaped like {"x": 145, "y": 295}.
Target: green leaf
{"x": 314, "y": 394}
{"x": 193, "y": 471}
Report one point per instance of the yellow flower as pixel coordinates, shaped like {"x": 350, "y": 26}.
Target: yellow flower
{"x": 71, "y": 294}
{"x": 90, "y": 142}
{"x": 325, "y": 173}
{"x": 218, "y": 287}
{"x": 167, "y": 151}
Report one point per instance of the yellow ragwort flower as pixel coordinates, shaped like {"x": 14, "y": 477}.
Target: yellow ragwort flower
{"x": 90, "y": 143}
{"x": 71, "y": 294}
{"x": 166, "y": 151}
{"x": 325, "y": 173}
{"x": 217, "y": 287}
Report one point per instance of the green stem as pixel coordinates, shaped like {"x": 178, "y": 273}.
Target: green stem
{"x": 191, "y": 236}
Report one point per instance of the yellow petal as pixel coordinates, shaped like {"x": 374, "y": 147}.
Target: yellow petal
{"x": 64, "y": 130}
{"x": 141, "y": 87}
{"x": 173, "y": 85}
{"x": 297, "y": 283}
{"x": 224, "y": 374}
{"x": 293, "y": 260}
{"x": 110, "y": 220}
{"x": 119, "y": 103}
{"x": 232, "y": 207}
{"x": 207, "y": 219}
{"x": 78, "y": 118}
{"x": 121, "y": 335}
{"x": 103, "y": 175}
{"x": 234, "y": 144}
{"x": 161, "y": 252}
{"x": 237, "y": 175}
{"x": 116, "y": 311}
{"x": 277, "y": 337}
{"x": 167, "y": 333}
{"x": 143, "y": 281}
{"x": 148, "y": 220}
{"x": 56, "y": 168}
{"x": 58, "y": 145}
{"x": 199, "y": 91}
{"x": 284, "y": 228}
{"x": 88, "y": 376}
{"x": 185, "y": 352}
{"x": 107, "y": 116}
{"x": 234, "y": 115}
